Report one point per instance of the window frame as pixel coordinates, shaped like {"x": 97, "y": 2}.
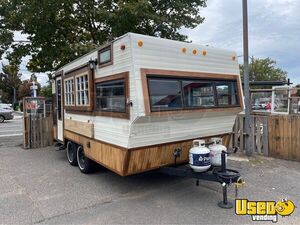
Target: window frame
{"x": 229, "y": 93}
{"x": 72, "y": 92}
{"x": 120, "y": 76}
{"x": 82, "y": 90}
{"x": 73, "y": 74}
{"x": 184, "y": 75}
{"x": 105, "y": 48}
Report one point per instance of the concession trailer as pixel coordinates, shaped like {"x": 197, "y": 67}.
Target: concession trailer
{"x": 129, "y": 104}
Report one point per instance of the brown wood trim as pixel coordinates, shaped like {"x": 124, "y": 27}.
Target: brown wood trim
{"x": 108, "y": 167}
{"x": 126, "y": 161}
{"x": 105, "y": 47}
{"x": 103, "y": 142}
{"x": 125, "y": 76}
{"x": 149, "y": 146}
{"x": 89, "y": 139}
{"x": 80, "y": 112}
{"x": 73, "y": 73}
{"x": 112, "y": 114}
{"x": 77, "y": 70}
{"x": 176, "y": 142}
{"x": 58, "y": 73}
{"x": 145, "y": 72}
{"x": 95, "y": 113}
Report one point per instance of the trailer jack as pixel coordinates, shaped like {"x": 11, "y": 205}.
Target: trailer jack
{"x": 221, "y": 175}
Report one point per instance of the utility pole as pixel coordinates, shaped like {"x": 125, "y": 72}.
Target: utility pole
{"x": 252, "y": 69}
{"x": 246, "y": 79}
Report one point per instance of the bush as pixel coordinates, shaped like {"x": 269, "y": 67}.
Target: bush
{"x": 21, "y": 106}
{"x": 16, "y": 106}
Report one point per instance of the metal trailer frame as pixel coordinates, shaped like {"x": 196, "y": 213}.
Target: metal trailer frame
{"x": 221, "y": 175}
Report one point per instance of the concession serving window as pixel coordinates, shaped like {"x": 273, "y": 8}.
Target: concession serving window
{"x": 166, "y": 94}
{"x": 111, "y": 96}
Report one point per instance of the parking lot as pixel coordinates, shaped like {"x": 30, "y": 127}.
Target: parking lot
{"x": 38, "y": 186}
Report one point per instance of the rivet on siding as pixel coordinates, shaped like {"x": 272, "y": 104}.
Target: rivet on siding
{"x": 183, "y": 50}
{"x": 204, "y": 52}
{"x": 140, "y": 43}
{"x": 122, "y": 47}
{"x": 195, "y": 52}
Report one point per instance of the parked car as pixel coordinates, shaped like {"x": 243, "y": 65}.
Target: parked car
{"x": 5, "y": 114}
{"x": 6, "y": 106}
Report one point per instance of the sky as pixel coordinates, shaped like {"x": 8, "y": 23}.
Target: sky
{"x": 274, "y": 31}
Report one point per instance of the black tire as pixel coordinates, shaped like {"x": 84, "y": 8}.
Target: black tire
{"x": 84, "y": 163}
{"x": 2, "y": 119}
{"x": 71, "y": 153}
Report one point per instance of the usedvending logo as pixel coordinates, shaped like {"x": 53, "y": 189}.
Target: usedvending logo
{"x": 264, "y": 210}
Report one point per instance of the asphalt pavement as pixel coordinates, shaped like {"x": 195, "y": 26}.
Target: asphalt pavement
{"x": 38, "y": 186}
{"x": 13, "y": 127}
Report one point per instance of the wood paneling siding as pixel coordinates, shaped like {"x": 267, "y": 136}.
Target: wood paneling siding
{"x": 125, "y": 161}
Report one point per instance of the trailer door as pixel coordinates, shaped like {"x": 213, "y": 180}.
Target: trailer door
{"x": 59, "y": 109}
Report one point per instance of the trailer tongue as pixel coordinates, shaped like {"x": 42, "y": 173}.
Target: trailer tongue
{"x": 221, "y": 174}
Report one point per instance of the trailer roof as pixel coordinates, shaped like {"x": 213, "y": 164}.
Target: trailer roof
{"x": 142, "y": 36}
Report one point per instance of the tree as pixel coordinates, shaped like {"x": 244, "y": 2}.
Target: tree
{"x": 24, "y": 89}
{"x": 46, "y": 91}
{"x": 10, "y": 81}
{"x": 264, "y": 70}
{"x": 60, "y": 31}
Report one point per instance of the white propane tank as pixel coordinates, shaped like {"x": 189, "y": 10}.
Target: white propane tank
{"x": 216, "y": 150}
{"x": 199, "y": 156}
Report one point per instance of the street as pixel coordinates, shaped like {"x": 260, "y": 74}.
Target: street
{"x": 39, "y": 186}
{"x": 13, "y": 127}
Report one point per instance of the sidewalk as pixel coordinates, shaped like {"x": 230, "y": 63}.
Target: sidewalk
{"x": 18, "y": 115}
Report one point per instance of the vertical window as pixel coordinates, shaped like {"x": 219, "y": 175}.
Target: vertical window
{"x": 69, "y": 92}
{"x": 110, "y": 96}
{"x": 226, "y": 93}
{"x": 105, "y": 56}
{"x": 82, "y": 90}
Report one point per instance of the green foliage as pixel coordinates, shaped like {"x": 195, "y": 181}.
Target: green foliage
{"x": 264, "y": 70}
{"x": 62, "y": 30}
{"x": 46, "y": 91}
{"x": 9, "y": 80}
{"x": 24, "y": 89}
{"x": 16, "y": 106}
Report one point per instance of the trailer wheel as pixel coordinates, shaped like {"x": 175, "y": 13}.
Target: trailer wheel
{"x": 84, "y": 163}
{"x": 71, "y": 153}
{"x": 2, "y": 119}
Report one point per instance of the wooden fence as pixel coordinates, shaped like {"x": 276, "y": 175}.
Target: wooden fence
{"x": 258, "y": 133}
{"x": 271, "y": 135}
{"x": 37, "y": 131}
{"x": 284, "y": 137}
